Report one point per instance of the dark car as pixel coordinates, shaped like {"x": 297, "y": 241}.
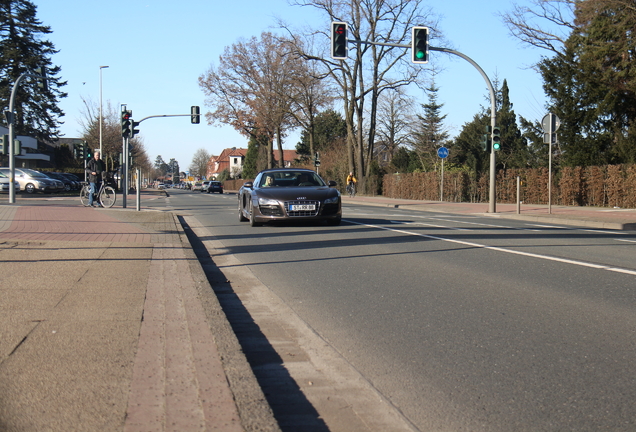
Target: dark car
{"x": 289, "y": 194}
{"x": 215, "y": 186}
{"x": 68, "y": 183}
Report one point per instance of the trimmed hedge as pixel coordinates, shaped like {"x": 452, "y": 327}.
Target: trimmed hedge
{"x": 605, "y": 186}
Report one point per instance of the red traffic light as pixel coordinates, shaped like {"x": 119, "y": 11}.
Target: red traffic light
{"x": 340, "y": 29}
{"x": 125, "y": 115}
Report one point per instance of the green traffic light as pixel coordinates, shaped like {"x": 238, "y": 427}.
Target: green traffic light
{"x": 496, "y": 146}
{"x": 419, "y": 54}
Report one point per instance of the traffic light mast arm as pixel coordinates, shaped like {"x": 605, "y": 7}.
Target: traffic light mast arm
{"x": 492, "y": 208}
{"x": 165, "y": 115}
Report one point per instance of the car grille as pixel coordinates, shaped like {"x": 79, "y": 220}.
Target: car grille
{"x": 302, "y": 213}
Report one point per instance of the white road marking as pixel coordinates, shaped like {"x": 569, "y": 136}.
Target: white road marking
{"x": 500, "y": 249}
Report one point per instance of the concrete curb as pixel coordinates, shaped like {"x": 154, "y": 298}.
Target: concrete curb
{"x": 255, "y": 413}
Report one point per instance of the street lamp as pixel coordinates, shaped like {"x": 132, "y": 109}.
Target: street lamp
{"x": 100, "y": 110}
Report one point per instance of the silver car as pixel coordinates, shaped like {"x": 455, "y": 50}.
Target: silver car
{"x": 32, "y": 181}
{"x": 5, "y": 184}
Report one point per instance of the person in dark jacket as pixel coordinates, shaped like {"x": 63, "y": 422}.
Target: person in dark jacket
{"x": 94, "y": 168}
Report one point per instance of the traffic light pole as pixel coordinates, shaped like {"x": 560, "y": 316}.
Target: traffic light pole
{"x": 492, "y": 207}
{"x": 10, "y": 117}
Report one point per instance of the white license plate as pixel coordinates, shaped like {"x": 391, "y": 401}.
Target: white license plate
{"x": 302, "y": 207}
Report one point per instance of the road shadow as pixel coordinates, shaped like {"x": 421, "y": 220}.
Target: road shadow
{"x": 291, "y": 409}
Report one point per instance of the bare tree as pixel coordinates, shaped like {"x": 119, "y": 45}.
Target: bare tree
{"x": 250, "y": 89}
{"x": 199, "y": 164}
{"x": 547, "y": 24}
{"x": 371, "y": 69}
{"x": 111, "y": 133}
{"x": 394, "y": 118}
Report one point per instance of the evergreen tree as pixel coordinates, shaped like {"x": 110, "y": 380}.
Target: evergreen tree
{"x": 329, "y": 126}
{"x": 255, "y": 145}
{"x": 431, "y": 133}
{"x": 468, "y": 148}
{"x": 514, "y": 152}
{"x": 23, "y": 49}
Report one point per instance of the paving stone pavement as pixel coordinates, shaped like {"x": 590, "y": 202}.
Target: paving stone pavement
{"x": 102, "y": 328}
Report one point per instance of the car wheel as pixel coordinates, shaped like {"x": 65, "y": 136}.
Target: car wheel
{"x": 67, "y": 187}
{"x": 220, "y": 192}
{"x": 242, "y": 218}
{"x": 29, "y": 188}
{"x": 334, "y": 222}
{"x": 253, "y": 222}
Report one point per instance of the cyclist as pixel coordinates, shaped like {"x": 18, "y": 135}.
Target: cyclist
{"x": 351, "y": 183}
{"x": 94, "y": 168}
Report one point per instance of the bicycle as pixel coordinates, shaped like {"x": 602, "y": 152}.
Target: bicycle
{"x": 351, "y": 189}
{"x": 106, "y": 195}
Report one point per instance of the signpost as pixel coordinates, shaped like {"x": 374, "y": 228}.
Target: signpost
{"x": 550, "y": 124}
{"x": 442, "y": 152}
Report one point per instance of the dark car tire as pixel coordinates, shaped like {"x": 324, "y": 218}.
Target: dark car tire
{"x": 253, "y": 222}
{"x": 29, "y": 188}
{"x": 334, "y": 222}
{"x": 242, "y": 218}
{"x": 220, "y": 192}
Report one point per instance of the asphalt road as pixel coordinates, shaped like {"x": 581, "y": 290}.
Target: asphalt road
{"x": 462, "y": 323}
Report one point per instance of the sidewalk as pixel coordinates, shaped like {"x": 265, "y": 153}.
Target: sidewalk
{"x": 102, "y": 328}
{"x": 591, "y": 217}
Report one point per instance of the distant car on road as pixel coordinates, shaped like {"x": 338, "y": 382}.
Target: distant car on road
{"x": 215, "y": 186}
{"x": 197, "y": 186}
{"x": 161, "y": 186}
{"x": 289, "y": 194}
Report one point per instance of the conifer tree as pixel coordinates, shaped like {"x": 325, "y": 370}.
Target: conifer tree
{"x": 23, "y": 49}
{"x": 431, "y": 133}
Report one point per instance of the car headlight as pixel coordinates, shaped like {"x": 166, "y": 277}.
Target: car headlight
{"x": 333, "y": 200}
{"x": 267, "y": 201}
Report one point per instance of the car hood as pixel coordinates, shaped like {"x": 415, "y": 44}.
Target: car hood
{"x": 295, "y": 193}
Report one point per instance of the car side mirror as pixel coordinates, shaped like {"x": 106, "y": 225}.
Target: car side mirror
{"x": 248, "y": 185}
{"x": 332, "y": 183}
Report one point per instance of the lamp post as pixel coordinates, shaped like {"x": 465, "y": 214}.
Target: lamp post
{"x": 101, "y": 153}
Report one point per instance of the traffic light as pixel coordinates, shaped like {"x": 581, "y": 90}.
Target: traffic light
{"x": 196, "y": 116}
{"x": 42, "y": 82}
{"x": 339, "y": 32}
{"x": 125, "y": 123}
{"x": 317, "y": 159}
{"x": 88, "y": 153}
{"x": 419, "y": 45}
{"x": 17, "y": 147}
{"x": 133, "y": 131}
{"x": 485, "y": 143}
{"x": 496, "y": 138}
{"x": 4, "y": 141}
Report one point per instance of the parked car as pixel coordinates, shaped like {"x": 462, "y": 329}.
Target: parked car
{"x": 76, "y": 179}
{"x": 196, "y": 186}
{"x": 5, "y": 184}
{"x": 32, "y": 181}
{"x": 68, "y": 183}
{"x": 215, "y": 186}
{"x": 204, "y": 186}
{"x": 289, "y": 194}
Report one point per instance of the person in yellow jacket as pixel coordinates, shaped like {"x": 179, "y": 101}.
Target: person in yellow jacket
{"x": 351, "y": 184}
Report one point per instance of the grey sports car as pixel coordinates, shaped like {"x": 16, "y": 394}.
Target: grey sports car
{"x": 289, "y": 194}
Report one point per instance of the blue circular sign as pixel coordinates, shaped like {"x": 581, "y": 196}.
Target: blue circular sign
{"x": 442, "y": 152}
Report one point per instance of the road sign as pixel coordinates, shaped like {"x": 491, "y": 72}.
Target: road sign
{"x": 556, "y": 122}
{"x": 442, "y": 152}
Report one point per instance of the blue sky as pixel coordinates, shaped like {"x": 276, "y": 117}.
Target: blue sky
{"x": 157, "y": 49}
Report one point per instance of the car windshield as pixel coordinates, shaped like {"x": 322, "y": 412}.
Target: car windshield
{"x": 2, "y": 175}
{"x": 32, "y": 173}
{"x": 290, "y": 179}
